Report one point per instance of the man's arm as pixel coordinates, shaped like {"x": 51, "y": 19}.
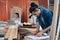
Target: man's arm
{"x": 37, "y": 27}
{"x": 42, "y": 31}
{"x": 49, "y": 16}
{"x": 45, "y": 30}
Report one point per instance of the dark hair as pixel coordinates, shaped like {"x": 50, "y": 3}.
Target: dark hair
{"x": 33, "y": 4}
{"x": 17, "y": 14}
{"x": 30, "y": 16}
{"x": 33, "y": 7}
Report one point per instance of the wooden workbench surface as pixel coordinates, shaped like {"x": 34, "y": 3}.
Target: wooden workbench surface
{"x": 13, "y": 33}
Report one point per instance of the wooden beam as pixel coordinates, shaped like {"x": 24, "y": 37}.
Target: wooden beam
{"x": 12, "y": 33}
{"x": 54, "y": 22}
{"x": 28, "y": 29}
{"x": 7, "y": 34}
{"x": 57, "y": 36}
{"x": 18, "y": 35}
{"x": 3, "y": 30}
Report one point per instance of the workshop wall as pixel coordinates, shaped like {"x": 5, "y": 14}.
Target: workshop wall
{"x": 6, "y": 5}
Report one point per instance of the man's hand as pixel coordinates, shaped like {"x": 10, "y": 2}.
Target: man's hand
{"x": 34, "y": 33}
{"x": 39, "y": 34}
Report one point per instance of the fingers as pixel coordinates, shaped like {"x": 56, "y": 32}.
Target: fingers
{"x": 39, "y": 34}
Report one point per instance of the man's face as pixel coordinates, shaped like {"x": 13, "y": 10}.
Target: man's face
{"x": 37, "y": 12}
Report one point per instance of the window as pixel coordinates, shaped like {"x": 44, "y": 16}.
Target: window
{"x": 51, "y": 2}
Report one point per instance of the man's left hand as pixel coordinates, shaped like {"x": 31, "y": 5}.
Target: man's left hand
{"x": 39, "y": 34}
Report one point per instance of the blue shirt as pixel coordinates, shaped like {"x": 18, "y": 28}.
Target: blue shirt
{"x": 45, "y": 18}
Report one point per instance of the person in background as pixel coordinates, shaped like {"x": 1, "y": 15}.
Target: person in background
{"x": 17, "y": 19}
{"x": 44, "y": 18}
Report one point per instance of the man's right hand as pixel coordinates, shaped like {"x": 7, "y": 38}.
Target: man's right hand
{"x": 34, "y": 33}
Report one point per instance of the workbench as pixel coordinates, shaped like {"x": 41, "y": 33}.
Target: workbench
{"x": 12, "y": 32}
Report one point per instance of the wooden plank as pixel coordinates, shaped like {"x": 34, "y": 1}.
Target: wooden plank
{"x": 15, "y": 31}
{"x": 7, "y": 34}
{"x": 54, "y": 22}
{"x": 2, "y": 31}
{"x": 10, "y": 36}
{"x": 29, "y": 29}
{"x": 12, "y": 33}
{"x": 57, "y": 36}
{"x": 18, "y": 35}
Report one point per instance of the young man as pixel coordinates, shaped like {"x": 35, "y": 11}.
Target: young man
{"x": 44, "y": 17}
{"x": 17, "y": 19}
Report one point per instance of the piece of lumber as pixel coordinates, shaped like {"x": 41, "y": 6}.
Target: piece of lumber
{"x": 57, "y": 36}
{"x": 29, "y": 29}
{"x": 18, "y": 35}
{"x": 3, "y": 30}
{"x": 54, "y": 22}
{"x": 7, "y": 34}
{"x": 12, "y": 33}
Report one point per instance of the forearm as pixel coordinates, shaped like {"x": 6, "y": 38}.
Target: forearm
{"x": 45, "y": 30}
{"x": 37, "y": 27}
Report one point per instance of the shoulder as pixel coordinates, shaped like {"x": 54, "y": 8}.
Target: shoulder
{"x": 47, "y": 12}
